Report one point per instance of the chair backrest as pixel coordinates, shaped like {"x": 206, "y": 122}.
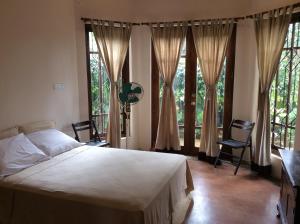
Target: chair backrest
{"x": 244, "y": 126}
{"x": 86, "y": 125}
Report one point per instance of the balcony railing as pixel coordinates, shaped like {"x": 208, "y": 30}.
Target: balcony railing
{"x": 282, "y": 135}
{"x": 197, "y": 134}
{"x": 101, "y": 121}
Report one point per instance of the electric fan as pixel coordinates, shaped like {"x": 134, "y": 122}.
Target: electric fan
{"x": 129, "y": 94}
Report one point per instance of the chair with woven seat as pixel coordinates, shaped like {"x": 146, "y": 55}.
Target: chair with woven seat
{"x": 244, "y": 126}
{"x": 95, "y": 139}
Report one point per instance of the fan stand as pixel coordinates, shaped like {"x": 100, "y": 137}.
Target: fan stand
{"x": 127, "y": 97}
{"x": 127, "y": 124}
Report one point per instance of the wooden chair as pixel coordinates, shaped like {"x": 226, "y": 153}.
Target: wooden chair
{"x": 244, "y": 126}
{"x": 95, "y": 139}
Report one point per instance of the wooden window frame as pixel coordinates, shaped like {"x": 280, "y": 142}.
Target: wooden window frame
{"x": 125, "y": 78}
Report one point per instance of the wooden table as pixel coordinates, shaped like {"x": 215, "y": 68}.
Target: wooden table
{"x": 289, "y": 202}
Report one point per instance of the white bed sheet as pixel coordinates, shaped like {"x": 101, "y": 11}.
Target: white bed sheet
{"x": 97, "y": 185}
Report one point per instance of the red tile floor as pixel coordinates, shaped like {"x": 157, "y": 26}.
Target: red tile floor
{"x": 222, "y": 198}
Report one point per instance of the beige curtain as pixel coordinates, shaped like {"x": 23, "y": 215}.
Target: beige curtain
{"x": 113, "y": 44}
{"x": 270, "y": 37}
{"x": 211, "y": 40}
{"x": 167, "y": 40}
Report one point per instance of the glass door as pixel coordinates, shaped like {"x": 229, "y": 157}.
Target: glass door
{"x": 189, "y": 90}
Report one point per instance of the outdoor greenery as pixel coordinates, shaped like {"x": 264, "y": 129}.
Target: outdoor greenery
{"x": 100, "y": 87}
{"x": 99, "y": 83}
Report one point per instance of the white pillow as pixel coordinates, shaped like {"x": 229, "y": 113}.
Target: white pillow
{"x": 18, "y": 153}
{"x": 53, "y": 142}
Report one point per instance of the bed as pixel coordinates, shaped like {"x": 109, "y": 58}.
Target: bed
{"x": 88, "y": 185}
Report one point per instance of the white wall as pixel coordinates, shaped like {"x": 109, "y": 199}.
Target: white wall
{"x": 140, "y": 72}
{"x": 81, "y": 66}
{"x": 38, "y": 49}
{"x": 245, "y": 75}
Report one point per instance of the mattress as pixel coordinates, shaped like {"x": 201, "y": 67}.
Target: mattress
{"x": 99, "y": 185}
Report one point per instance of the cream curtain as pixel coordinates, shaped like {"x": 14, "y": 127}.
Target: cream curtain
{"x": 167, "y": 40}
{"x": 113, "y": 44}
{"x": 211, "y": 40}
{"x": 270, "y": 37}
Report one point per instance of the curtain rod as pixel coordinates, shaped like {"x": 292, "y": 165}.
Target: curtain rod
{"x": 88, "y": 20}
{"x": 189, "y": 22}
{"x": 265, "y": 12}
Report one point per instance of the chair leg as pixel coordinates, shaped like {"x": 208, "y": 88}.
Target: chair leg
{"x": 218, "y": 157}
{"x": 251, "y": 158}
{"x": 240, "y": 160}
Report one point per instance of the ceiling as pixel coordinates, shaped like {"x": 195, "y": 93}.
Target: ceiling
{"x": 170, "y": 10}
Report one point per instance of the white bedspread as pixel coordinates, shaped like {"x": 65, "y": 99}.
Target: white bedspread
{"x": 97, "y": 185}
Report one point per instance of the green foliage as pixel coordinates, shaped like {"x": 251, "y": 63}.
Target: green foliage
{"x": 99, "y": 84}
{"x": 100, "y": 90}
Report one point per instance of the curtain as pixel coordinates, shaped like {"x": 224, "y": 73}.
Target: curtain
{"x": 211, "y": 39}
{"x": 270, "y": 37}
{"x": 113, "y": 44}
{"x": 167, "y": 40}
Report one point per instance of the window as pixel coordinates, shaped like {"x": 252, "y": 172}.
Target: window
{"x": 284, "y": 92}
{"x": 99, "y": 85}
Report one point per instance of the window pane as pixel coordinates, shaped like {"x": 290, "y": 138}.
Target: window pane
{"x": 92, "y": 42}
{"x": 297, "y": 35}
{"x": 288, "y": 40}
{"x": 95, "y": 70}
{"x": 100, "y": 87}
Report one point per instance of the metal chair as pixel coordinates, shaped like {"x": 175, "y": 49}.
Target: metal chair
{"x": 247, "y": 128}
{"x": 95, "y": 139}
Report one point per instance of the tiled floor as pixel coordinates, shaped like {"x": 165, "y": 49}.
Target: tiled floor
{"x": 222, "y": 198}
